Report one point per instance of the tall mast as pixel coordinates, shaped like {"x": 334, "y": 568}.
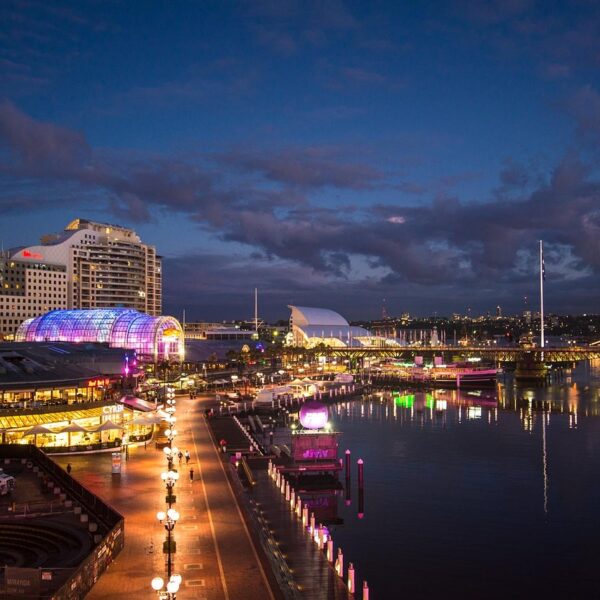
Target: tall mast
{"x": 542, "y": 276}
{"x": 256, "y": 310}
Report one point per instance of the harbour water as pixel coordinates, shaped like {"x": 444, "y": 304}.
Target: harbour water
{"x": 492, "y": 494}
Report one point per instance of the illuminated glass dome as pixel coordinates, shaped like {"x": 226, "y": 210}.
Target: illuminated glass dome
{"x": 159, "y": 338}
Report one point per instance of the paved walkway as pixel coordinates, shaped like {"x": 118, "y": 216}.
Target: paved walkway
{"x": 215, "y": 554}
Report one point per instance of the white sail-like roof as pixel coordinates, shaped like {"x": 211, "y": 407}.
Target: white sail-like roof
{"x": 304, "y": 316}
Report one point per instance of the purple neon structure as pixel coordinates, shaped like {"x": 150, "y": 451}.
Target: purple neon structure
{"x": 314, "y": 415}
{"x": 156, "y": 337}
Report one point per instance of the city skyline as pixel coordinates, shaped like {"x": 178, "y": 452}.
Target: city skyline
{"x": 329, "y": 154}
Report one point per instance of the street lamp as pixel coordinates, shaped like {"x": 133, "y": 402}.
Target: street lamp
{"x": 170, "y": 593}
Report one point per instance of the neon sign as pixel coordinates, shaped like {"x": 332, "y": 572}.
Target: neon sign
{"x": 29, "y": 254}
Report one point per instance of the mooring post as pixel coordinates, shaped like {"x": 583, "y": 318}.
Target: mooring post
{"x": 351, "y": 578}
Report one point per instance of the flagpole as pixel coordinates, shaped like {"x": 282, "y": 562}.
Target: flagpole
{"x": 542, "y": 294}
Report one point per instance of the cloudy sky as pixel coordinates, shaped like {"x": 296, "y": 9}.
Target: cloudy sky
{"x": 329, "y": 153}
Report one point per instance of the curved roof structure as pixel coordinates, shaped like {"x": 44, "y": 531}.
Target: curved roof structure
{"x": 303, "y": 316}
{"x": 313, "y": 326}
{"x": 157, "y": 337}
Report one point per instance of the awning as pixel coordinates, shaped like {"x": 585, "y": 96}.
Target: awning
{"x": 107, "y": 426}
{"x": 138, "y": 403}
{"x": 25, "y": 420}
{"x": 73, "y": 428}
{"x": 146, "y": 419}
{"x": 38, "y": 429}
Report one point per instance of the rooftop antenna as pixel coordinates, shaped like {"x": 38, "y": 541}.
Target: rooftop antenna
{"x": 384, "y": 314}
{"x": 184, "y": 320}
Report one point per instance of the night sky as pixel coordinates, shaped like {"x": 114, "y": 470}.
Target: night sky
{"x": 329, "y": 153}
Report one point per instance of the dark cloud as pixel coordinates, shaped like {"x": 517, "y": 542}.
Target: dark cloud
{"x": 40, "y": 148}
{"x": 314, "y": 167}
{"x": 269, "y": 203}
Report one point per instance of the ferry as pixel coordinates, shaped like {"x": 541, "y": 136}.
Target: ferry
{"x": 453, "y": 375}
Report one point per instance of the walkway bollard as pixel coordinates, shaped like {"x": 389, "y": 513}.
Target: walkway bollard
{"x": 365, "y": 591}
{"x": 305, "y": 515}
{"x": 292, "y": 499}
{"x": 351, "y": 578}
{"x": 312, "y": 523}
{"x": 330, "y": 550}
{"x": 361, "y": 480}
{"x": 339, "y": 563}
{"x": 269, "y": 467}
{"x": 347, "y": 465}
{"x": 287, "y": 491}
{"x": 320, "y": 537}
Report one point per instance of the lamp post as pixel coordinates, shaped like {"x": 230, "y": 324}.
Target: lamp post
{"x": 169, "y": 520}
{"x": 170, "y": 477}
{"x": 168, "y": 590}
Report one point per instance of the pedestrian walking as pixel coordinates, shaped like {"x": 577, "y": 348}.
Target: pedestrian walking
{"x": 69, "y": 467}
{"x": 180, "y": 455}
{"x": 192, "y": 475}
{"x": 187, "y": 457}
{"x": 145, "y": 442}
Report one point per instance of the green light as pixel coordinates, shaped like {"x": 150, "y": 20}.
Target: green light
{"x": 429, "y": 401}
{"x": 405, "y": 401}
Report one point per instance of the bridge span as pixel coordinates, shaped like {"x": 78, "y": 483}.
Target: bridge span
{"x": 536, "y": 354}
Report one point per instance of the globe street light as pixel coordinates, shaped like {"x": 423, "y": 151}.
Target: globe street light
{"x": 171, "y": 589}
{"x": 169, "y": 520}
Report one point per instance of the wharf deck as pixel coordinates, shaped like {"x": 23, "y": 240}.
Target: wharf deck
{"x": 314, "y": 577}
{"x": 301, "y": 568}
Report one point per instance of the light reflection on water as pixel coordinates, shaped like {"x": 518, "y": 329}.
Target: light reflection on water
{"x": 483, "y": 494}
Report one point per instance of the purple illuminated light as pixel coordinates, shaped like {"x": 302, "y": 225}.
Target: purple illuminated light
{"x": 314, "y": 415}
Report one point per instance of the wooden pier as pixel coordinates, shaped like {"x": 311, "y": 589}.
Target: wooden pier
{"x": 301, "y": 569}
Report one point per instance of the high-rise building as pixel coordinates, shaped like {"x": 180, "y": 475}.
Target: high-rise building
{"x": 102, "y": 266}
{"x": 29, "y": 289}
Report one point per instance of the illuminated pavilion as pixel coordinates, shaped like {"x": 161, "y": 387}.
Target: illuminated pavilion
{"x": 153, "y": 338}
{"x": 311, "y": 327}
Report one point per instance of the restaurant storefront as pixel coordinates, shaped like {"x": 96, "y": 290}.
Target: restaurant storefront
{"x": 79, "y": 430}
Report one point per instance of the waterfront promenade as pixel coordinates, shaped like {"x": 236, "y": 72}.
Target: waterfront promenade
{"x": 215, "y": 554}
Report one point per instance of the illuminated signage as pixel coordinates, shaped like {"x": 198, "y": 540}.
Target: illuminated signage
{"x": 171, "y": 333}
{"x": 29, "y": 254}
{"x": 98, "y": 383}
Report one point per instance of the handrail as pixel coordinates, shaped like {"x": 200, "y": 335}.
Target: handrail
{"x": 248, "y": 472}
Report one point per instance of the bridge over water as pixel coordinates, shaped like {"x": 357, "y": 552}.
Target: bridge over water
{"x": 530, "y": 362}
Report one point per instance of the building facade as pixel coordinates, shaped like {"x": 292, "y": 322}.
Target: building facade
{"x": 28, "y": 289}
{"x": 102, "y": 266}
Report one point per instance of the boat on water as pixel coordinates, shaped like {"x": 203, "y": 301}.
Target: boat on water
{"x": 454, "y": 375}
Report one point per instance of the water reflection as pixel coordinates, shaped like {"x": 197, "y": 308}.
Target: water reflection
{"x": 500, "y": 486}
{"x": 569, "y": 396}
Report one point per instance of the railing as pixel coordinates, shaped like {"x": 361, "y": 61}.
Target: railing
{"x": 82, "y": 578}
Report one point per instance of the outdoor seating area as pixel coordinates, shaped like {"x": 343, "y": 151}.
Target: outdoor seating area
{"x": 53, "y": 532}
